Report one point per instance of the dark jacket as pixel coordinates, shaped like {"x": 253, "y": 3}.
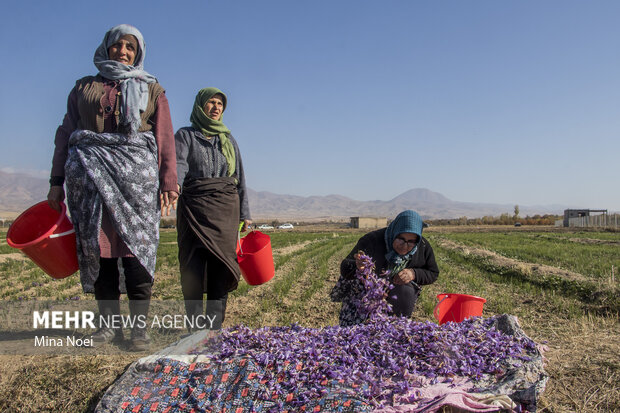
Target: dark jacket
{"x": 373, "y": 245}
{"x": 199, "y": 157}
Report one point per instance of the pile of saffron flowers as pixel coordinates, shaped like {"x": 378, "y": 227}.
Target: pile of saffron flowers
{"x": 382, "y": 360}
{"x": 370, "y": 301}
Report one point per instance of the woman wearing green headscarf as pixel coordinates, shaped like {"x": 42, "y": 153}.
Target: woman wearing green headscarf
{"x": 212, "y": 204}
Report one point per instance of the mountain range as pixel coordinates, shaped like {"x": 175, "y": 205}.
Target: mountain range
{"x": 429, "y": 204}
{"x": 19, "y": 191}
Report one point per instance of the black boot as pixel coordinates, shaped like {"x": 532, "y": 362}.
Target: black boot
{"x": 215, "y": 313}
{"x": 108, "y": 311}
{"x": 138, "y": 283}
{"x": 140, "y": 340}
{"x": 193, "y": 309}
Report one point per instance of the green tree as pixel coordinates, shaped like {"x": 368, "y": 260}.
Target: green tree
{"x": 516, "y": 211}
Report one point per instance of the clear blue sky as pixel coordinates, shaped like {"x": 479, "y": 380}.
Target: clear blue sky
{"x": 514, "y": 102}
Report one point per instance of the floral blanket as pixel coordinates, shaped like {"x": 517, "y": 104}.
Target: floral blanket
{"x": 277, "y": 370}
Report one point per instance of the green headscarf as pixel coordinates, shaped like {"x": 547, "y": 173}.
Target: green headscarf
{"x": 211, "y": 127}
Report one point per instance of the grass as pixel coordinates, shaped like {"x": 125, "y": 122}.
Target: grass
{"x": 4, "y": 247}
{"x": 285, "y": 239}
{"x": 595, "y": 293}
{"x": 293, "y": 268}
{"x": 587, "y": 235}
{"x": 471, "y": 275}
{"x": 592, "y": 260}
{"x": 527, "y": 274}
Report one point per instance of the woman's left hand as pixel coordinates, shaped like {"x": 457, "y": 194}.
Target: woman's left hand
{"x": 246, "y": 224}
{"x": 168, "y": 200}
{"x": 405, "y": 276}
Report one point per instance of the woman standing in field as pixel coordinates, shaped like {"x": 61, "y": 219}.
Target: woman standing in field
{"x": 115, "y": 153}
{"x": 399, "y": 249}
{"x": 213, "y": 202}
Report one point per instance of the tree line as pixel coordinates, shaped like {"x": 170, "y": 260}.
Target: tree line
{"x": 503, "y": 219}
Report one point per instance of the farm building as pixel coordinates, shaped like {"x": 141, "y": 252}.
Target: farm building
{"x": 571, "y": 214}
{"x": 368, "y": 222}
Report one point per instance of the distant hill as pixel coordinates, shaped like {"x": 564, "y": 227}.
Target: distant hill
{"x": 19, "y": 191}
{"x": 429, "y": 204}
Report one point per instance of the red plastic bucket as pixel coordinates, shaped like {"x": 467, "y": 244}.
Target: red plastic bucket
{"x": 255, "y": 258}
{"x": 457, "y": 307}
{"x": 47, "y": 238}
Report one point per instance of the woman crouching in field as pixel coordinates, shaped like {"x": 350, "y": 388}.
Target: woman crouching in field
{"x": 213, "y": 201}
{"x": 400, "y": 249}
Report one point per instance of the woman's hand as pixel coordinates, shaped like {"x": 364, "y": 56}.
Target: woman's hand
{"x": 404, "y": 277}
{"x": 246, "y": 224}
{"x": 55, "y": 196}
{"x": 168, "y": 200}
{"x": 358, "y": 261}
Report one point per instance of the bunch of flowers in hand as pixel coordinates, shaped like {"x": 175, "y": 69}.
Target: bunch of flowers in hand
{"x": 371, "y": 301}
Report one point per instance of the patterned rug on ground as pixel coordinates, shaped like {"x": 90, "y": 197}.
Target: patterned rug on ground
{"x": 388, "y": 366}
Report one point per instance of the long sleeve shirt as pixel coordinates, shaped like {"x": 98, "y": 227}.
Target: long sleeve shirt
{"x": 162, "y": 130}
{"x": 110, "y": 243}
{"x": 201, "y": 157}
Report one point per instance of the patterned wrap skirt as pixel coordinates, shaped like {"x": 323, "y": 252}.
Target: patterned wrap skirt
{"x": 120, "y": 172}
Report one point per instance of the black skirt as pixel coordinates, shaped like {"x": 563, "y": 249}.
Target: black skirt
{"x": 208, "y": 217}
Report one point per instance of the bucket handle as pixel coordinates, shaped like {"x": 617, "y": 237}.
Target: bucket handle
{"x": 239, "y": 238}
{"x": 436, "y": 310}
{"x": 62, "y": 234}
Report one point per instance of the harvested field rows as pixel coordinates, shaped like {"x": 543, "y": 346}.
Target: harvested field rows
{"x": 557, "y": 283}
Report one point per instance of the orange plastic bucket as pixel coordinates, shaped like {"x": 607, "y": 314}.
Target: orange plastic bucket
{"x": 47, "y": 238}
{"x": 255, "y": 258}
{"x": 457, "y": 307}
